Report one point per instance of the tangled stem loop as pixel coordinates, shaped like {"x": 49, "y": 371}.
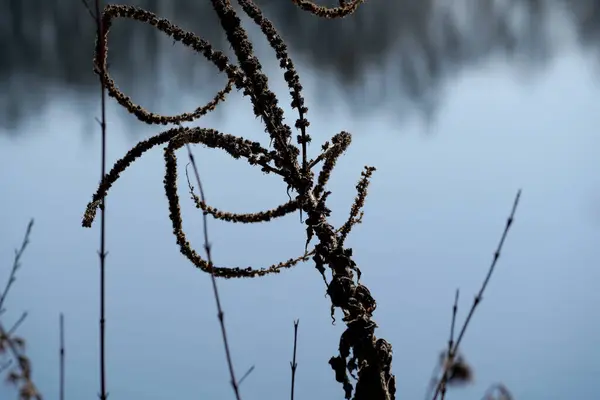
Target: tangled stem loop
{"x": 359, "y": 350}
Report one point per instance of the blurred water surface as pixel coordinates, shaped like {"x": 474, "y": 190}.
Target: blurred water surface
{"x": 402, "y": 52}
{"x": 510, "y": 100}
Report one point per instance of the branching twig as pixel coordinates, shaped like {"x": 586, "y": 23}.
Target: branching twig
{"x": 16, "y": 325}
{"x": 359, "y": 350}
{"x": 16, "y": 265}
{"x": 20, "y": 375}
{"x": 479, "y": 296}
{"x": 449, "y": 354}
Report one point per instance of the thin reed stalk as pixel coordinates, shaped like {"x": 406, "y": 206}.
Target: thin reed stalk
{"x": 101, "y": 70}
{"x": 61, "y": 394}
{"x": 451, "y": 363}
{"x": 293, "y": 363}
{"x": 449, "y": 354}
{"x": 207, "y": 248}
{"x": 20, "y": 374}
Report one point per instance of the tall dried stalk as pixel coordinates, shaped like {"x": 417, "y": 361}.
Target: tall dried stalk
{"x": 207, "y": 249}
{"x": 293, "y": 363}
{"x": 100, "y": 69}
{"x": 361, "y": 355}
{"x": 455, "y": 369}
{"x": 450, "y": 343}
{"x": 359, "y": 351}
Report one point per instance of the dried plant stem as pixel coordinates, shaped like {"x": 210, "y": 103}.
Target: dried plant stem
{"x": 359, "y": 349}
{"x": 16, "y": 265}
{"x": 17, "y": 324}
{"x": 100, "y": 69}
{"x": 245, "y": 375}
{"x": 207, "y": 248}
{"x": 20, "y": 375}
{"x": 62, "y": 358}
{"x": 294, "y": 364}
{"x": 479, "y": 296}
{"x": 449, "y": 354}
{"x": 498, "y": 388}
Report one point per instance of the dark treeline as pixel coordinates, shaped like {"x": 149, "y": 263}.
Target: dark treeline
{"x": 47, "y": 44}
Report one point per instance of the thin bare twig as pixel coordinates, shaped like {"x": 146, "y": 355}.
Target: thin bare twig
{"x": 207, "y": 247}
{"x": 434, "y": 378}
{"x": 454, "y": 310}
{"x": 89, "y": 9}
{"x": 16, "y": 325}
{"x": 294, "y": 364}
{"x": 5, "y": 365}
{"x": 21, "y": 374}
{"x": 16, "y": 264}
{"x": 10, "y": 332}
{"x": 479, "y": 296}
{"x": 502, "y": 393}
{"x": 245, "y": 375}
{"x": 62, "y": 358}
{"x": 102, "y": 253}
{"x": 449, "y": 354}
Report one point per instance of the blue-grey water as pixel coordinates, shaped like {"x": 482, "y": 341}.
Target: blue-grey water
{"x": 435, "y": 211}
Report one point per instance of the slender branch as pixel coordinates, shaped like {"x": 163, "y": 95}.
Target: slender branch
{"x": 294, "y": 364}
{"x": 21, "y": 374}
{"x": 16, "y": 265}
{"x": 9, "y": 334}
{"x": 62, "y": 359}
{"x": 103, "y": 392}
{"x": 207, "y": 248}
{"x": 5, "y": 365}
{"x": 450, "y": 355}
{"x": 434, "y": 376}
{"x": 479, "y": 296}
{"x": 16, "y": 325}
{"x": 246, "y": 375}
{"x": 99, "y": 67}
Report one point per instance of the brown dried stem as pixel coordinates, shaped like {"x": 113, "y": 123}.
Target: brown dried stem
{"x": 359, "y": 350}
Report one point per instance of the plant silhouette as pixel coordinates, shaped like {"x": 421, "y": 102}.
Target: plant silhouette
{"x": 361, "y": 354}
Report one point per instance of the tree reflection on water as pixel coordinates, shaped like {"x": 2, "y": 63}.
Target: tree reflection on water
{"x": 48, "y": 43}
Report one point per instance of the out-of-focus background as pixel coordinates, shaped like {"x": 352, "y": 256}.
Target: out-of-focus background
{"x": 458, "y": 104}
